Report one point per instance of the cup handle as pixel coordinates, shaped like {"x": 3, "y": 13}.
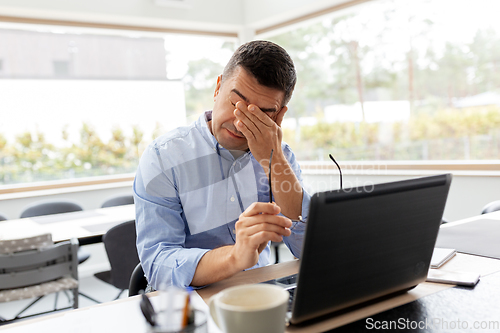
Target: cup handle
{"x": 213, "y": 311}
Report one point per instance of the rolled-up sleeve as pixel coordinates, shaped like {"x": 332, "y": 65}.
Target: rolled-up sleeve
{"x": 161, "y": 226}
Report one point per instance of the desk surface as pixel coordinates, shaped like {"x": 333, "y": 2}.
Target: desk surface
{"x": 429, "y": 305}
{"x": 88, "y": 225}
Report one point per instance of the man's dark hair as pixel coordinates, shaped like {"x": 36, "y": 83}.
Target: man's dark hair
{"x": 269, "y": 63}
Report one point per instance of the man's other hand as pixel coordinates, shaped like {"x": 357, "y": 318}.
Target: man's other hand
{"x": 257, "y": 225}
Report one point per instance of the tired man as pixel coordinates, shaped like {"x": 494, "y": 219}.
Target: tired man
{"x": 202, "y": 198}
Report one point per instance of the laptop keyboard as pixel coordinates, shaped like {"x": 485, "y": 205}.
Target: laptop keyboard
{"x": 289, "y": 283}
{"x": 291, "y": 291}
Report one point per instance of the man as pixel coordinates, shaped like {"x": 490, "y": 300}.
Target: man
{"x": 201, "y": 192}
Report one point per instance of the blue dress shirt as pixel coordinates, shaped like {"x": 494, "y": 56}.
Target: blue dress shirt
{"x": 189, "y": 192}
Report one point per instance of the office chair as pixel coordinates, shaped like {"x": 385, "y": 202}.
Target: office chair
{"x": 120, "y": 244}
{"x": 138, "y": 282}
{"x": 118, "y": 201}
{"x": 491, "y": 207}
{"x": 3, "y": 217}
{"x": 35, "y": 267}
{"x": 49, "y": 207}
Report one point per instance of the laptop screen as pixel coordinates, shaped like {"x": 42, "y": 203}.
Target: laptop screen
{"x": 366, "y": 242}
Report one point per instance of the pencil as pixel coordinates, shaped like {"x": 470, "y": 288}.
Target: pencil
{"x": 185, "y": 312}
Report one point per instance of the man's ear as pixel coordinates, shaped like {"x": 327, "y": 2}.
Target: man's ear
{"x": 281, "y": 114}
{"x": 217, "y": 86}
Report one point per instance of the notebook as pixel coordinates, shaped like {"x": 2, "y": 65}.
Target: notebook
{"x": 364, "y": 243}
{"x": 440, "y": 256}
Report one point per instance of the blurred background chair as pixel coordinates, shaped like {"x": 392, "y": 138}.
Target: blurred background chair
{"x": 138, "y": 282}
{"x": 40, "y": 208}
{"x": 491, "y": 207}
{"x": 118, "y": 201}
{"x": 46, "y": 207}
{"x": 35, "y": 267}
{"x": 120, "y": 245}
{"x": 3, "y": 217}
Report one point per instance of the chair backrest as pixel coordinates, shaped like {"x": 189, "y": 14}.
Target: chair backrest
{"x": 491, "y": 207}
{"x": 31, "y": 267}
{"x": 120, "y": 244}
{"x": 138, "y": 281}
{"x": 119, "y": 201}
{"x": 40, "y": 208}
{"x": 8, "y": 246}
{"x": 3, "y": 217}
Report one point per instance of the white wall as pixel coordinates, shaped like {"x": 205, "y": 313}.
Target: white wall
{"x": 467, "y": 197}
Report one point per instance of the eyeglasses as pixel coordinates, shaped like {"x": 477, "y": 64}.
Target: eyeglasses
{"x": 269, "y": 178}
{"x": 338, "y": 166}
{"x": 270, "y": 183}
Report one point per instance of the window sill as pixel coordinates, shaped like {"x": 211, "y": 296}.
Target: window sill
{"x": 16, "y": 191}
{"x": 408, "y": 168}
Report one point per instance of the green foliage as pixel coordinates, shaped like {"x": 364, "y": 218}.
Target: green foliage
{"x": 199, "y": 85}
{"x": 30, "y": 158}
{"x": 472, "y": 133}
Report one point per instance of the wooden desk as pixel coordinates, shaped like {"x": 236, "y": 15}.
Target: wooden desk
{"x": 428, "y": 301}
{"x": 461, "y": 262}
{"x": 88, "y": 225}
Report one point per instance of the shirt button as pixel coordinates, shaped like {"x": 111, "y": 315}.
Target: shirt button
{"x": 234, "y": 231}
{"x": 232, "y": 199}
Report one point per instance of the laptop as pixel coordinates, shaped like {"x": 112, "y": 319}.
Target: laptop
{"x": 365, "y": 243}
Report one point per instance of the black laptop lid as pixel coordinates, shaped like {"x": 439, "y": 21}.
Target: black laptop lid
{"x": 365, "y": 242}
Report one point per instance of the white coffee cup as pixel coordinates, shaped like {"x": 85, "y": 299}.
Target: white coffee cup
{"x": 250, "y": 308}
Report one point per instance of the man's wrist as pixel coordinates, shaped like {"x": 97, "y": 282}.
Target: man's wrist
{"x": 278, "y": 161}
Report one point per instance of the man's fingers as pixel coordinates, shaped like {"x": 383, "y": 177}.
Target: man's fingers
{"x": 261, "y": 237}
{"x": 281, "y": 114}
{"x": 261, "y": 207}
{"x": 257, "y": 114}
{"x": 267, "y": 228}
{"x": 254, "y": 114}
{"x": 244, "y": 121}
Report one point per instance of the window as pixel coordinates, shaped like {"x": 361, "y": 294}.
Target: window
{"x": 78, "y": 103}
{"x": 397, "y": 80}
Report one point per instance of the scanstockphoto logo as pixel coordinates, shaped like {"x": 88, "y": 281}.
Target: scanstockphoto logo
{"x": 320, "y": 185}
{"x": 432, "y": 324}
{"x": 360, "y": 168}
{"x": 356, "y": 185}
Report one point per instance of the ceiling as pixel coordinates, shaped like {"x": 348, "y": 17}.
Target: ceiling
{"x": 232, "y": 17}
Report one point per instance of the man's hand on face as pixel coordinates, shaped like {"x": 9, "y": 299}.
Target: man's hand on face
{"x": 262, "y": 130}
{"x": 257, "y": 225}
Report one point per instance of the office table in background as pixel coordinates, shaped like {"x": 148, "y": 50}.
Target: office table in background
{"x": 88, "y": 225}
